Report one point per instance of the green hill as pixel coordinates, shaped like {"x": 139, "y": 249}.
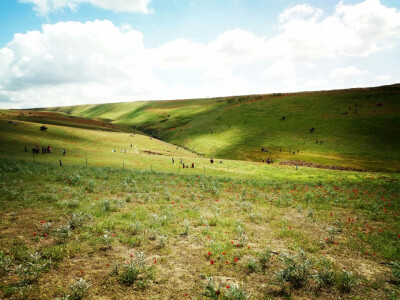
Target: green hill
{"x": 356, "y": 128}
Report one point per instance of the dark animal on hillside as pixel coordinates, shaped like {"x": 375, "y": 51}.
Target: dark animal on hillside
{"x": 43, "y": 128}
{"x": 283, "y": 118}
{"x": 312, "y": 129}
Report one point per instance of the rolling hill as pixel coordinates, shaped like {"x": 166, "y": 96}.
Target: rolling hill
{"x": 357, "y": 128}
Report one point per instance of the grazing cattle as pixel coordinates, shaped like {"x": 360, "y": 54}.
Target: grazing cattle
{"x": 283, "y": 118}
{"x": 312, "y": 129}
{"x": 43, "y": 128}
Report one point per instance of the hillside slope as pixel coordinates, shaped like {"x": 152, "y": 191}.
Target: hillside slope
{"x": 357, "y": 128}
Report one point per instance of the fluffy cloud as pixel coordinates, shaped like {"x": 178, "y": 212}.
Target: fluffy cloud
{"x": 344, "y": 72}
{"x": 300, "y": 12}
{"x": 43, "y": 7}
{"x": 352, "y": 30}
{"x": 280, "y": 70}
{"x": 383, "y": 77}
{"x": 92, "y": 62}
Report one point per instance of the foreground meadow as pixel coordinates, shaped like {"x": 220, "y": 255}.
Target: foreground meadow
{"x": 72, "y": 232}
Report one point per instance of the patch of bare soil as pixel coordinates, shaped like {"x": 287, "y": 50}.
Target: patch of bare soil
{"x": 150, "y": 152}
{"x": 313, "y": 165}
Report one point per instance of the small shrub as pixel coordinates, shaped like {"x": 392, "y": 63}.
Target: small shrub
{"x": 256, "y": 217}
{"x": 107, "y": 242}
{"x": 106, "y": 205}
{"x": 296, "y": 271}
{"x": 90, "y": 185}
{"x": 325, "y": 276}
{"x": 153, "y": 233}
{"x": 72, "y": 204}
{"x": 5, "y": 263}
{"x": 77, "y": 219}
{"x": 345, "y": 281}
{"x": 332, "y": 232}
{"x": 135, "y": 228}
{"x": 162, "y": 240}
{"x": 236, "y": 292}
{"x": 210, "y": 290}
{"x": 396, "y": 270}
{"x": 32, "y": 267}
{"x": 253, "y": 265}
{"x": 62, "y": 233}
{"x": 47, "y": 227}
{"x": 136, "y": 272}
{"x": 79, "y": 289}
{"x": 187, "y": 227}
{"x": 129, "y": 274}
{"x": 265, "y": 258}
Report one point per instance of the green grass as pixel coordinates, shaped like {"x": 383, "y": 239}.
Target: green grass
{"x": 238, "y": 127}
{"x": 96, "y": 146}
{"x": 62, "y": 224}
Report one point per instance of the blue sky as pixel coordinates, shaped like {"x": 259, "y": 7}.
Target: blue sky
{"x": 68, "y": 52}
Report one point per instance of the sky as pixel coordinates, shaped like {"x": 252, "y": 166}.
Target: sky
{"x": 71, "y": 52}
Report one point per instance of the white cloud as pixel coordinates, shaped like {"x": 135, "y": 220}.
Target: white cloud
{"x": 352, "y": 30}
{"x": 280, "y": 70}
{"x": 43, "y": 7}
{"x": 218, "y": 73}
{"x": 73, "y": 62}
{"x": 300, "y": 12}
{"x": 181, "y": 53}
{"x": 383, "y": 77}
{"x": 92, "y": 61}
{"x": 344, "y": 72}
{"x": 238, "y": 46}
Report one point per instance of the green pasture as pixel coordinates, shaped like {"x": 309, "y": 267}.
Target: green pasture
{"x": 95, "y": 148}
{"x": 354, "y": 131}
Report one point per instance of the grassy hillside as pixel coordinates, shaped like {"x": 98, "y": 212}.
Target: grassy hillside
{"x": 96, "y": 146}
{"x": 358, "y": 128}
